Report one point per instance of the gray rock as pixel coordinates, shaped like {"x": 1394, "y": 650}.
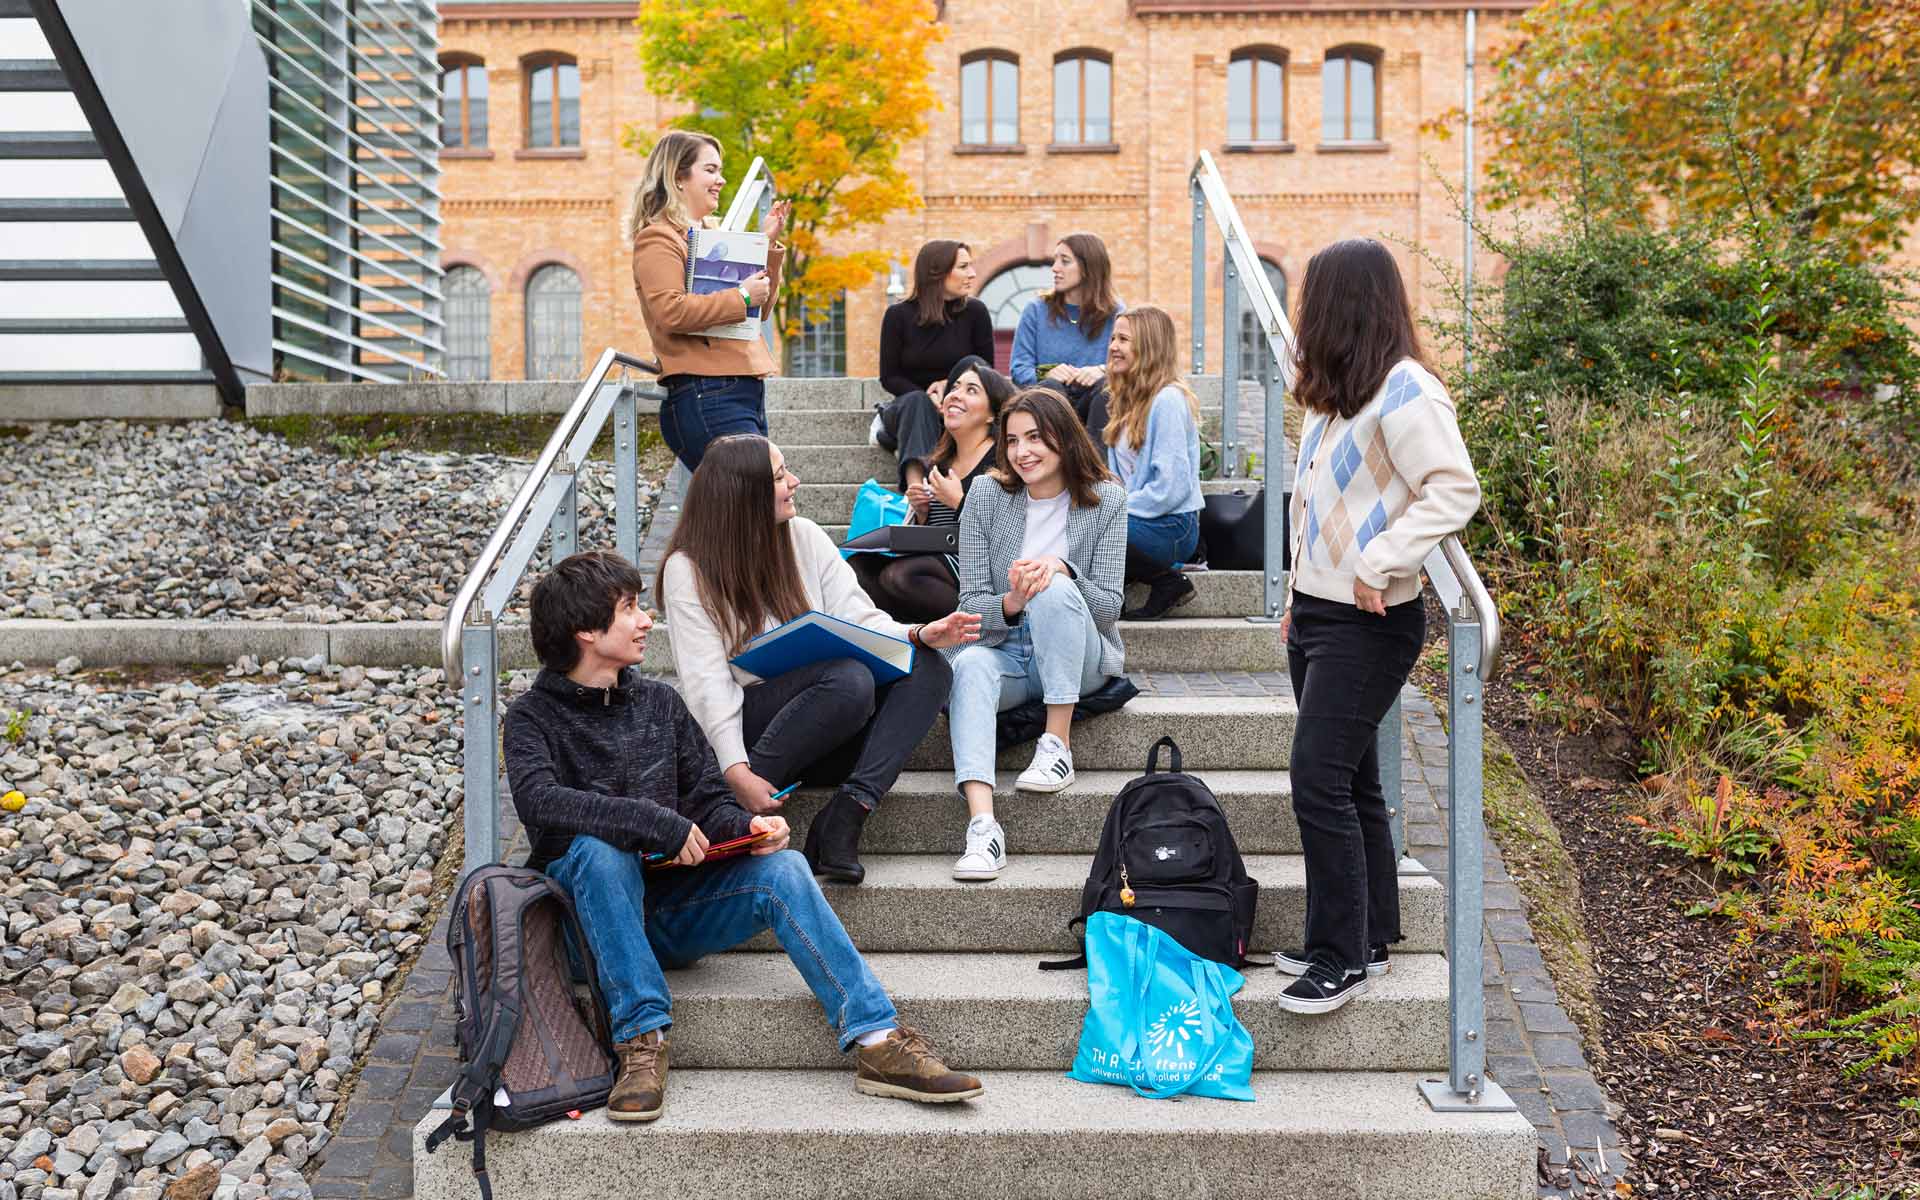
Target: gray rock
{"x": 165, "y": 1148}
{"x": 31, "y": 1145}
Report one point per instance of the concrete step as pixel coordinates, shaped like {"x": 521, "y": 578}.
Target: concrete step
{"x": 90, "y": 209}
{"x": 831, "y": 501}
{"x": 995, "y": 1012}
{"x": 47, "y": 144}
{"x": 745, "y": 1135}
{"x": 922, "y": 812}
{"x": 911, "y": 904}
{"x": 850, "y": 463}
{"x": 849, "y": 426}
{"x": 32, "y": 75}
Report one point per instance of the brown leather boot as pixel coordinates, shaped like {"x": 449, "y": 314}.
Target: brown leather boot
{"x": 905, "y": 1067}
{"x": 640, "y": 1094}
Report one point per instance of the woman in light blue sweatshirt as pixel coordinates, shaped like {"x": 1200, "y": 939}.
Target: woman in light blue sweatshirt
{"x": 1061, "y": 341}
{"x": 1153, "y": 448}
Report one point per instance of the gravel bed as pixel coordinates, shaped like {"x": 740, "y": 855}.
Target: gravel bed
{"x": 217, "y": 519}
{"x": 203, "y": 903}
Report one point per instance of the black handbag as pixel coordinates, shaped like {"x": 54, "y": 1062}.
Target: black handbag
{"x": 1233, "y": 529}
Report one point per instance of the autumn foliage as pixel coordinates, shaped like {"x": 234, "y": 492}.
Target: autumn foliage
{"x": 826, "y": 91}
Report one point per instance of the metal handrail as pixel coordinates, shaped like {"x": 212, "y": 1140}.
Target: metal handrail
{"x": 1466, "y": 583}
{"x": 1206, "y": 181}
{"x": 450, "y": 629}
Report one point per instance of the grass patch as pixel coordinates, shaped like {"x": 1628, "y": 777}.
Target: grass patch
{"x": 362, "y": 434}
{"x": 1544, "y": 872}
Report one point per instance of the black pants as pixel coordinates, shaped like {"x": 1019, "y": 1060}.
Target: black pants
{"x": 917, "y": 432}
{"x": 1347, "y": 667}
{"x": 911, "y": 588}
{"x": 797, "y": 725}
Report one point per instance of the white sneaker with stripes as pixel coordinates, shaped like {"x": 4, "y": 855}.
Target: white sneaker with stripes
{"x": 986, "y": 853}
{"x": 1051, "y": 768}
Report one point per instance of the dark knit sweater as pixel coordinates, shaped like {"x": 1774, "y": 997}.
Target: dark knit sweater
{"x": 913, "y": 355}
{"x": 626, "y": 764}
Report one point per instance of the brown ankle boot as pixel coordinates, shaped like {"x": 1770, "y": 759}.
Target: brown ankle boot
{"x": 905, "y": 1067}
{"x": 640, "y": 1094}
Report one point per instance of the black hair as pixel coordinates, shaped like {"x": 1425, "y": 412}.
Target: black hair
{"x": 579, "y": 595}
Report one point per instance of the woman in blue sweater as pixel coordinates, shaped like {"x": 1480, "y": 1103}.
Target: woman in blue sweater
{"x": 1153, "y": 448}
{"x": 1061, "y": 341}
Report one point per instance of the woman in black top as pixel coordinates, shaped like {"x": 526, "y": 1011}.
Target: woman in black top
{"x": 936, "y": 486}
{"x": 921, "y": 338}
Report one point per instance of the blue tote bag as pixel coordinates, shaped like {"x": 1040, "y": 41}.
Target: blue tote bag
{"x": 873, "y": 508}
{"x": 1161, "y": 1017}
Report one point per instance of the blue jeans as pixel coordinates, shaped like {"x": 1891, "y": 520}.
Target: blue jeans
{"x": 638, "y": 923}
{"x": 1052, "y": 655}
{"x": 700, "y": 408}
{"x": 1166, "y": 540}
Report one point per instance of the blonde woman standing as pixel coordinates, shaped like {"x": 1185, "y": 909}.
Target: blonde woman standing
{"x": 714, "y": 385}
{"x": 1153, "y": 449}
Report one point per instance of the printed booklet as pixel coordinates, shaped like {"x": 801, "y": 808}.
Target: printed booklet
{"x": 720, "y": 260}
{"x": 815, "y": 637}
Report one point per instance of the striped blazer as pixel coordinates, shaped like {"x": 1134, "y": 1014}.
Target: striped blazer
{"x": 993, "y": 524}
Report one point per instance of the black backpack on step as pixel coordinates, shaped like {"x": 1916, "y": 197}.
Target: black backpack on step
{"x": 521, "y": 1025}
{"x": 1166, "y": 857}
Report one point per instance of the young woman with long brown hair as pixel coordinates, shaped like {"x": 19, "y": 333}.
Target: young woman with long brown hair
{"x": 1043, "y": 546}
{"x": 1382, "y": 477}
{"x": 714, "y": 385}
{"x": 741, "y": 561}
{"x": 1061, "y": 341}
{"x": 1153, "y": 448}
{"x": 921, "y": 338}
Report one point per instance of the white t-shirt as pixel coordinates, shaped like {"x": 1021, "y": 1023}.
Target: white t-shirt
{"x": 1047, "y": 527}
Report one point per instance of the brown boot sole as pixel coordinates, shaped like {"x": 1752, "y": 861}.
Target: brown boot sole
{"x": 893, "y": 1091}
{"x": 652, "y": 1114}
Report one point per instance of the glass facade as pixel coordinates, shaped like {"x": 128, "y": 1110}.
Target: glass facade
{"x": 469, "y": 324}
{"x": 554, "y": 330}
{"x": 354, "y": 130}
{"x": 820, "y": 352}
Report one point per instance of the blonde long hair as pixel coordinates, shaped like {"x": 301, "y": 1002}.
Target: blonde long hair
{"x": 672, "y": 158}
{"x": 1155, "y": 366}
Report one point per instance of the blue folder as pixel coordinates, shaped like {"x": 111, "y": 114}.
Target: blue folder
{"x": 815, "y": 637}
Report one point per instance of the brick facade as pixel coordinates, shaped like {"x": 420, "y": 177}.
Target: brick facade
{"x": 508, "y": 211}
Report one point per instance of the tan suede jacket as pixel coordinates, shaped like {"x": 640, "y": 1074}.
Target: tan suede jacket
{"x": 675, "y": 318}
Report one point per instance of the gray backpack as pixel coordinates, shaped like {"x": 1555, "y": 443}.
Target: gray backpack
{"x": 522, "y": 1024}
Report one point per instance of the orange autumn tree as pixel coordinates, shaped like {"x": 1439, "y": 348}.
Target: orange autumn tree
{"x": 826, "y": 91}
{"x": 1799, "y": 113}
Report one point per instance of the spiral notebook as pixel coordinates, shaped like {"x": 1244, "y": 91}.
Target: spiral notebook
{"x": 720, "y": 260}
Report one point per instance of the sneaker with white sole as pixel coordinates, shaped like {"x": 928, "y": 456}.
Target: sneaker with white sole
{"x": 1323, "y": 988}
{"x": 1051, "y": 769}
{"x": 1294, "y": 962}
{"x": 986, "y": 853}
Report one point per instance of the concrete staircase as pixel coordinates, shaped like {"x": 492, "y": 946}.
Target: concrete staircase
{"x": 762, "y": 1105}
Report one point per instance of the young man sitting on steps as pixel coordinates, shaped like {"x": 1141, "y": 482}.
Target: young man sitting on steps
{"x": 607, "y": 767}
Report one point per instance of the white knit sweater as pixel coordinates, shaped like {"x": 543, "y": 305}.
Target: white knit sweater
{"x": 712, "y": 687}
{"x": 1374, "y": 494}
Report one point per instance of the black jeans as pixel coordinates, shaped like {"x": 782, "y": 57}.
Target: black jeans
{"x": 797, "y": 725}
{"x": 1347, "y": 667}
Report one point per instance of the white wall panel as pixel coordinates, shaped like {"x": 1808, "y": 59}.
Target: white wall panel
{"x": 99, "y": 352}
{"x": 73, "y": 239}
{"x": 41, "y": 112}
{"x": 83, "y": 298}
{"x": 59, "y": 179}
{"x": 20, "y": 37}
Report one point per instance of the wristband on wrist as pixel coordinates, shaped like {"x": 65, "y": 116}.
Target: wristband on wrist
{"x": 913, "y": 636}
{"x": 746, "y": 297}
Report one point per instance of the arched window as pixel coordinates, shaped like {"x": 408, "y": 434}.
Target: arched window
{"x": 1350, "y": 95}
{"x": 1256, "y": 96}
{"x": 553, "y": 323}
{"x": 990, "y": 99}
{"x": 553, "y": 102}
{"x": 820, "y": 352}
{"x": 1005, "y": 295}
{"x": 1253, "y": 341}
{"x": 1083, "y": 98}
{"x": 463, "y": 102}
{"x": 468, "y": 313}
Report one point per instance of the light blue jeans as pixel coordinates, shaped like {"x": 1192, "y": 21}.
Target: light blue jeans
{"x": 1052, "y": 655}
{"x": 638, "y": 923}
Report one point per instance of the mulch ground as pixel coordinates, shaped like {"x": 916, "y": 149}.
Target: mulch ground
{"x": 1714, "y": 1098}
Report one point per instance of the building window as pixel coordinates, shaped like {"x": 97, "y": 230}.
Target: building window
{"x": 990, "y": 99}
{"x": 468, "y": 313}
{"x": 1253, "y": 340}
{"x": 553, "y": 103}
{"x": 820, "y": 352}
{"x": 553, "y": 323}
{"x": 1256, "y": 97}
{"x": 1082, "y": 99}
{"x": 1350, "y": 96}
{"x": 463, "y": 103}
{"x": 1005, "y": 296}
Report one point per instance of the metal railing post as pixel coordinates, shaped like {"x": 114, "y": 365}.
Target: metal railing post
{"x": 626, "y": 475}
{"x": 1277, "y": 482}
{"x": 1388, "y": 745}
{"x": 1466, "y": 1087}
{"x": 760, "y": 219}
{"x": 479, "y": 680}
{"x": 564, "y": 529}
{"x": 1230, "y": 370}
{"x": 1199, "y": 314}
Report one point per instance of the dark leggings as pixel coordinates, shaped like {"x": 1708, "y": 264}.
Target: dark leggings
{"x": 796, "y": 725}
{"x": 910, "y": 588}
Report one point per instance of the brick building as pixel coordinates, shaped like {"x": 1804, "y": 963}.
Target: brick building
{"x": 1056, "y": 119}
